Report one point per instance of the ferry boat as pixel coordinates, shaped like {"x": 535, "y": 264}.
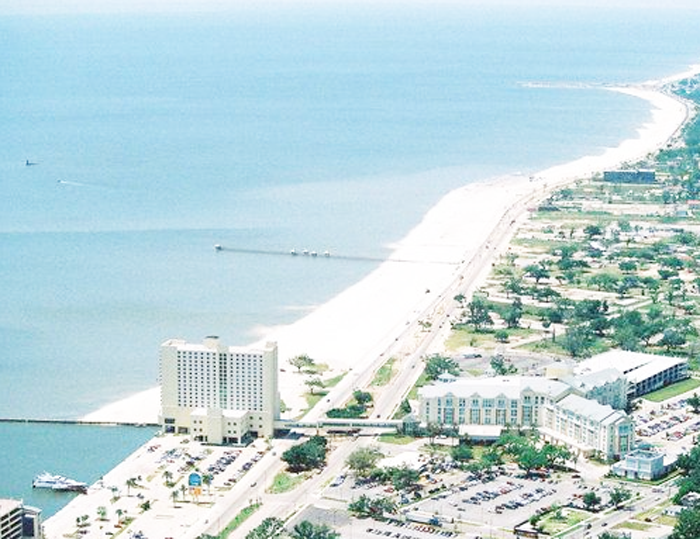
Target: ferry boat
{"x": 58, "y": 482}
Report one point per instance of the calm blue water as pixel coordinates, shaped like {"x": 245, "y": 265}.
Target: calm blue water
{"x": 82, "y": 452}
{"x": 333, "y": 128}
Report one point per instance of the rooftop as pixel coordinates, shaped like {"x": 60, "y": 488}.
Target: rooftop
{"x": 601, "y": 413}
{"x": 509, "y": 387}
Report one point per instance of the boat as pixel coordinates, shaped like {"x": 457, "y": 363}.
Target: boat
{"x": 218, "y": 247}
{"x": 58, "y": 482}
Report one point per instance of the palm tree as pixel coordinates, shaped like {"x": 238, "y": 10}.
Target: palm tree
{"x": 168, "y": 476}
{"x": 102, "y": 512}
{"x": 130, "y": 483}
{"x": 207, "y": 479}
{"x": 174, "y": 494}
{"x": 183, "y": 489}
{"x": 120, "y": 513}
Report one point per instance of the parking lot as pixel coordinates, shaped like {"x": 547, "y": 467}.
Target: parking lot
{"x": 464, "y": 500}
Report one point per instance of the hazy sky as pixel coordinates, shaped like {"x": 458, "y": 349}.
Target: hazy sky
{"x": 124, "y": 6}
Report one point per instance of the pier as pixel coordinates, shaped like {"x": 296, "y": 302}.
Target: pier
{"x": 326, "y": 255}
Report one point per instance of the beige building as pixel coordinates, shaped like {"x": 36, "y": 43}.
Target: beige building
{"x": 217, "y": 393}
{"x": 555, "y": 408}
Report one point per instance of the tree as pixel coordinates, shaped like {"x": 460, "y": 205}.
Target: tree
{"x": 502, "y": 367}
{"x": 478, "y": 313}
{"x": 363, "y": 398}
{"x": 461, "y": 452}
{"x": 614, "y": 535}
{"x": 306, "y": 456}
{"x": 437, "y": 364}
{"x": 314, "y": 382}
{"x": 694, "y": 403}
{"x": 578, "y": 340}
{"x": 687, "y": 525}
{"x": 591, "y": 500}
{"x": 372, "y": 507}
{"x": 269, "y": 528}
{"x": 102, "y": 512}
{"x": 593, "y": 230}
{"x": 130, "y": 483}
{"x": 619, "y": 495}
{"x": 513, "y": 315}
{"x": 363, "y": 460}
{"x": 404, "y": 478}
{"x": 308, "y": 530}
{"x": 501, "y": 335}
{"x": 302, "y": 361}
{"x": 405, "y": 407}
{"x": 537, "y": 272}
{"x": 530, "y": 458}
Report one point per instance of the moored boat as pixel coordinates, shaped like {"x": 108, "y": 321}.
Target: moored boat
{"x": 58, "y": 482}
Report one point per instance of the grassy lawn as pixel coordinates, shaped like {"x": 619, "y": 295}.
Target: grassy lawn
{"x": 569, "y": 518}
{"x": 422, "y": 381}
{"x": 673, "y": 390}
{"x": 634, "y": 525}
{"x": 285, "y": 481}
{"x": 332, "y": 382}
{"x": 384, "y": 373}
{"x": 466, "y": 336}
{"x": 238, "y": 520}
{"x": 398, "y": 439}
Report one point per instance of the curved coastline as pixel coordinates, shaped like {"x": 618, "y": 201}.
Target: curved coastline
{"x": 356, "y": 326}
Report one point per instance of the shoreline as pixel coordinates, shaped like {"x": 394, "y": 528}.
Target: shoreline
{"x": 352, "y": 329}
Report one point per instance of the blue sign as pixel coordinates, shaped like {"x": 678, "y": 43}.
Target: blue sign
{"x": 195, "y": 480}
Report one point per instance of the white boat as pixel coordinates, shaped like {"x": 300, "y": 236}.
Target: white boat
{"x": 58, "y": 482}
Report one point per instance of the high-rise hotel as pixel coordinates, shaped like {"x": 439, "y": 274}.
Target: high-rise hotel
{"x": 217, "y": 393}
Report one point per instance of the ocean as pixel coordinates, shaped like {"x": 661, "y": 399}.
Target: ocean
{"x": 335, "y": 127}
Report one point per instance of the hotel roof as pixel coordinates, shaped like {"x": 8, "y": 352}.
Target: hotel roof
{"x": 590, "y": 380}
{"x": 659, "y": 364}
{"x": 601, "y": 413}
{"x": 623, "y": 360}
{"x": 510, "y": 387}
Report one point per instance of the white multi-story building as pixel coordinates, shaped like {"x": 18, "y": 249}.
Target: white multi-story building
{"x": 218, "y": 393}
{"x": 554, "y": 407}
{"x": 18, "y": 521}
{"x": 644, "y": 372}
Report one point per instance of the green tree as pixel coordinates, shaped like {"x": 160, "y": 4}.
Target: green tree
{"x": 306, "y": 456}
{"x": 405, "y": 408}
{"x": 461, "y": 452}
{"x": 530, "y": 458}
{"x": 537, "y": 272}
{"x": 363, "y": 460}
{"x": 363, "y": 398}
{"x": 102, "y": 512}
{"x": 478, "y": 313}
{"x": 513, "y": 315}
{"x": 619, "y": 495}
{"x": 501, "y": 335}
{"x": 404, "y": 478}
{"x": 436, "y": 364}
{"x": 687, "y": 525}
{"x": 314, "y": 382}
{"x": 372, "y": 507}
{"x": 578, "y": 340}
{"x": 302, "y": 361}
{"x": 308, "y": 530}
{"x": 591, "y": 500}
{"x": 501, "y": 366}
{"x": 269, "y": 528}
{"x": 694, "y": 403}
{"x": 130, "y": 483}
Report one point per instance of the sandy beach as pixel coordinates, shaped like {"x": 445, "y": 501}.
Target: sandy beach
{"x": 351, "y": 330}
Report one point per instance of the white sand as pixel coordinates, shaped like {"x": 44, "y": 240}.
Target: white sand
{"x": 355, "y": 327}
